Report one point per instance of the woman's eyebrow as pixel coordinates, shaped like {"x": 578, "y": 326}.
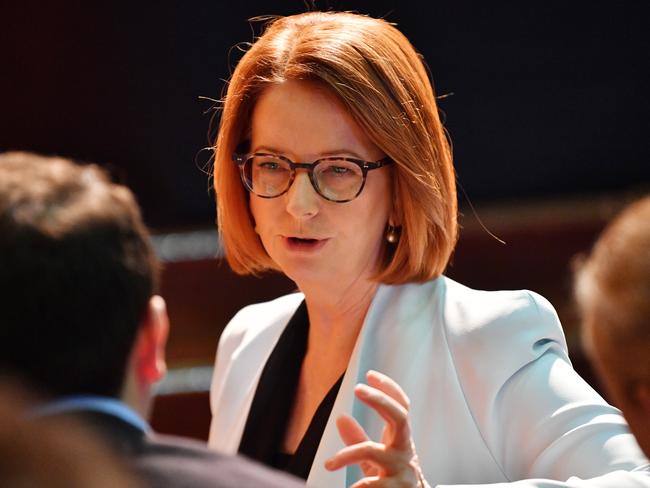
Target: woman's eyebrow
{"x": 326, "y": 154}
{"x": 268, "y": 149}
{"x": 339, "y": 152}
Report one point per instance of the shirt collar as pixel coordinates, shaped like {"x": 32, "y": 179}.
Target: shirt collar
{"x": 110, "y": 406}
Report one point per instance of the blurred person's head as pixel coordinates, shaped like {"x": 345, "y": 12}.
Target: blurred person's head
{"x": 331, "y": 84}
{"x": 55, "y": 452}
{"x": 77, "y": 282}
{"x": 613, "y": 293}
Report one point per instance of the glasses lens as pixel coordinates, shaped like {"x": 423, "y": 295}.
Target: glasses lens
{"x": 338, "y": 179}
{"x": 266, "y": 175}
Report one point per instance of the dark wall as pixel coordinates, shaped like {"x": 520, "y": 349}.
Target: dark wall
{"x": 548, "y": 97}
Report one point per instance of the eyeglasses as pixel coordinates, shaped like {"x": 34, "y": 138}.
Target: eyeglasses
{"x": 337, "y": 179}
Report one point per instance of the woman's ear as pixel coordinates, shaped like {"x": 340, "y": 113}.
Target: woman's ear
{"x": 394, "y": 218}
{"x": 396, "y": 213}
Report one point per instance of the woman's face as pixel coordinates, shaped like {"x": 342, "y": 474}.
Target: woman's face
{"x": 315, "y": 241}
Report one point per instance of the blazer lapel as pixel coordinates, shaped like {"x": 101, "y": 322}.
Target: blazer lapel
{"x": 393, "y": 331}
{"x": 238, "y": 390}
{"x": 346, "y": 403}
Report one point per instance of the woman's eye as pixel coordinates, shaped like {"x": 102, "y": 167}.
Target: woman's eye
{"x": 269, "y": 165}
{"x": 338, "y": 170}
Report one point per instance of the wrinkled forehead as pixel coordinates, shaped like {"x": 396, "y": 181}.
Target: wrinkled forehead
{"x": 302, "y": 120}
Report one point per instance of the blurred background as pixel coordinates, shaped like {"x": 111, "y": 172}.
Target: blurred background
{"x": 545, "y": 101}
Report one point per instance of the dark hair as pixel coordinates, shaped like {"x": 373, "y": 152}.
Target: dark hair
{"x": 76, "y": 273}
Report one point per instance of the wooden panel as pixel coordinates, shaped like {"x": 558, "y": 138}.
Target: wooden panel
{"x": 201, "y": 298}
{"x": 182, "y": 414}
{"x": 203, "y": 295}
{"x": 541, "y": 240}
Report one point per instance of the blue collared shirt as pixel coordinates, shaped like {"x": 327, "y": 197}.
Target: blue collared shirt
{"x": 111, "y": 406}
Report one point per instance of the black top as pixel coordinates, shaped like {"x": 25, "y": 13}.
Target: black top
{"x": 272, "y": 406}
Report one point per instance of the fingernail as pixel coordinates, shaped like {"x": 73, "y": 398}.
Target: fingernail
{"x": 376, "y": 374}
{"x": 362, "y": 390}
{"x": 329, "y": 464}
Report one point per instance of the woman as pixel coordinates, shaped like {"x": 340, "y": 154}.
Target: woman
{"x": 332, "y": 167}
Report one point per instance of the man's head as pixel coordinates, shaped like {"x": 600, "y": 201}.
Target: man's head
{"x": 613, "y": 293}
{"x": 77, "y": 278}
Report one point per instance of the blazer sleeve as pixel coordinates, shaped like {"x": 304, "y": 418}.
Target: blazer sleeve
{"x": 639, "y": 478}
{"x": 538, "y": 418}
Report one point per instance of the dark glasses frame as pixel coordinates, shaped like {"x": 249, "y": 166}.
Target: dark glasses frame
{"x": 241, "y": 159}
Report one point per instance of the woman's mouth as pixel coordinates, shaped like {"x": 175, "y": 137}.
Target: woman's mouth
{"x": 304, "y": 244}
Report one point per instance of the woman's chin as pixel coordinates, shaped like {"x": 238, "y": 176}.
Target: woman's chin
{"x": 310, "y": 277}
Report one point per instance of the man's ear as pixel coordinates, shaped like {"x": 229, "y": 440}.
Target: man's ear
{"x": 642, "y": 395}
{"x": 149, "y": 350}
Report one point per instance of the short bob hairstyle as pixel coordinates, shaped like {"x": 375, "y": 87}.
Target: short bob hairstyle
{"x": 377, "y": 74}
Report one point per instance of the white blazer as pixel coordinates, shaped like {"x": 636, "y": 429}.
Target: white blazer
{"x": 493, "y": 395}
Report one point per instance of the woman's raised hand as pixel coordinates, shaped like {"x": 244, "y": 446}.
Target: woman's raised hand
{"x": 392, "y": 462}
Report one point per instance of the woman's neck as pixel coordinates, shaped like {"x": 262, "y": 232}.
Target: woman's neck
{"x": 335, "y": 319}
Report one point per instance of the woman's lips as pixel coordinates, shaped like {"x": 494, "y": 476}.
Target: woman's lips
{"x": 304, "y": 244}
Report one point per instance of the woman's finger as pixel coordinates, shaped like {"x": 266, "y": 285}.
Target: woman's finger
{"x": 389, "y": 386}
{"x": 372, "y": 452}
{"x": 373, "y": 482}
{"x": 352, "y": 433}
{"x": 395, "y": 415}
{"x": 350, "y": 430}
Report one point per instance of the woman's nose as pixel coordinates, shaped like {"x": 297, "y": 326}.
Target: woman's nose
{"x": 302, "y": 199}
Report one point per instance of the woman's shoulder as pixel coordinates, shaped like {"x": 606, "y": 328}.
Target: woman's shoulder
{"x": 272, "y": 310}
{"x": 467, "y": 310}
{"x": 481, "y": 323}
{"x": 260, "y": 318}
{"x": 508, "y": 328}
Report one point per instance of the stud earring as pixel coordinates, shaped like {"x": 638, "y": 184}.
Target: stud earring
{"x": 392, "y": 234}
